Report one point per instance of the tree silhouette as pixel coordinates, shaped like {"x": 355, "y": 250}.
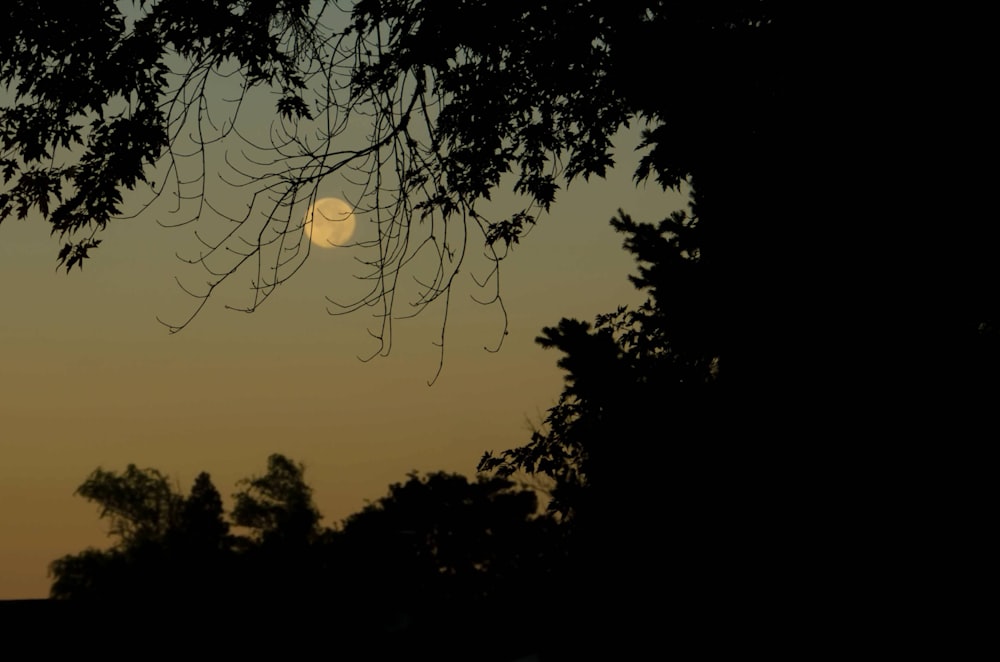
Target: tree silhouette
{"x": 280, "y": 562}
{"x": 106, "y": 101}
{"x": 623, "y": 375}
{"x": 140, "y": 503}
{"x": 438, "y": 554}
{"x": 164, "y": 544}
{"x": 277, "y": 507}
{"x": 202, "y": 522}
{"x": 445, "y": 547}
{"x": 654, "y": 488}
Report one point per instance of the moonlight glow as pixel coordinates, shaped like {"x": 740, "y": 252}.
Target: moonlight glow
{"x": 329, "y": 222}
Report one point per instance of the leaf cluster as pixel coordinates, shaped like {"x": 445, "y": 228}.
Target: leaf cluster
{"x": 92, "y": 104}
{"x": 520, "y": 85}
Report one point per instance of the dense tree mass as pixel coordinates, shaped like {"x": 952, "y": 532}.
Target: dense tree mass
{"x": 620, "y": 373}
{"x": 636, "y": 449}
{"x": 438, "y": 554}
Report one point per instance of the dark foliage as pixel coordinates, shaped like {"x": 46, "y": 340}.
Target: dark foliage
{"x": 437, "y": 555}
{"x": 623, "y": 376}
{"x": 164, "y": 545}
{"x": 533, "y": 90}
{"x": 91, "y": 108}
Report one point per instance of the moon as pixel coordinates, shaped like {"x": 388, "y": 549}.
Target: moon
{"x": 329, "y": 222}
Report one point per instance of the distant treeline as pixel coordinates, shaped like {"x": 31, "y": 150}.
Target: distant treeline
{"x": 438, "y": 555}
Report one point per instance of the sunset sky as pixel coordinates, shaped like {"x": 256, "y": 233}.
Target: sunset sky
{"x": 89, "y": 378}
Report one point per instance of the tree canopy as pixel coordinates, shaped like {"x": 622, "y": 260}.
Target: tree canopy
{"x": 439, "y": 553}
{"x": 164, "y": 542}
{"x": 427, "y": 120}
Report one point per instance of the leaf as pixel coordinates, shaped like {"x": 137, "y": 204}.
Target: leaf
{"x": 293, "y": 107}
{"x": 71, "y": 254}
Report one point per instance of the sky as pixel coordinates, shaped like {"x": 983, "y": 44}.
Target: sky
{"x": 89, "y": 378}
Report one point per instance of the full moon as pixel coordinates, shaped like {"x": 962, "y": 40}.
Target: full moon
{"x": 329, "y": 222}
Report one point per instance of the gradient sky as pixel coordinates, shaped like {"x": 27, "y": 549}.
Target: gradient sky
{"x": 89, "y": 378}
